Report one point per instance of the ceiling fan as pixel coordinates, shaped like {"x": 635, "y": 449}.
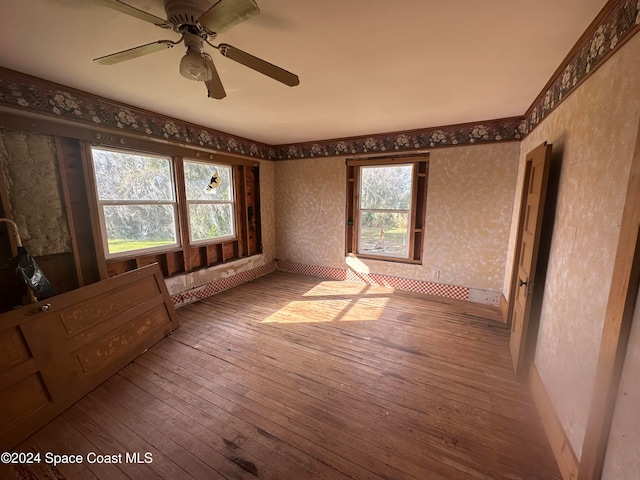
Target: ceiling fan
{"x": 198, "y": 25}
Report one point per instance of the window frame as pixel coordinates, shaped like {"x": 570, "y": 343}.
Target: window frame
{"x": 416, "y": 213}
{"x": 185, "y": 256}
{"x": 232, "y": 202}
{"x": 102, "y": 203}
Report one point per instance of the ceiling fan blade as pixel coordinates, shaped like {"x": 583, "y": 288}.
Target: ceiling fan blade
{"x": 259, "y": 65}
{"x": 214, "y": 86}
{"x": 134, "y": 12}
{"x": 227, "y": 13}
{"x": 134, "y": 52}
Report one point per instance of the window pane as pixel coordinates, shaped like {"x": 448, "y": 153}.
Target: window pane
{"x": 208, "y": 221}
{"x": 386, "y": 187}
{"x": 207, "y": 182}
{"x": 132, "y": 227}
{"x": 126, "y": 176}
{"x": 384, "y": 234}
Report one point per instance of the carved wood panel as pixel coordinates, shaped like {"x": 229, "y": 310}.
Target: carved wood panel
{"x": 54, "y": 352}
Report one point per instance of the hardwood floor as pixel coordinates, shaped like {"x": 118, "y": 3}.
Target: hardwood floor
{"x": 291, "y": 377}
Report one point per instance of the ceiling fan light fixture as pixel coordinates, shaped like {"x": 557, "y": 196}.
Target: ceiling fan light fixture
{"x": 193, "y": 66}
{"x": 185, "y": 17}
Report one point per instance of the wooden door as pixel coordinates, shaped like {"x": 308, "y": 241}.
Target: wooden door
{"x": 54, "y": 352}
{"x": 524, "y": 273}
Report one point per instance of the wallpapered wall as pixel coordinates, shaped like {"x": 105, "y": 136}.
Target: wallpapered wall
{"x": 469, "y": 202}
{"x": 593, "y": 133}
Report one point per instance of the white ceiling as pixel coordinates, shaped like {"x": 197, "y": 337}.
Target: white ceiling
{"x": 365, "y": 66}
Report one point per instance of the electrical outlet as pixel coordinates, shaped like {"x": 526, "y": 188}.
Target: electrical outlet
{"x": 436, "y": 273}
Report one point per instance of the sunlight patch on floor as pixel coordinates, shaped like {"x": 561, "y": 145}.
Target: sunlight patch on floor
{"x": 345, "y": 308}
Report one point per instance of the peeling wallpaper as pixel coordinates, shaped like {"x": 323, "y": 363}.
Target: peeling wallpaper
{"x": 593, "y": 133}
{"x": 469, "y": 201}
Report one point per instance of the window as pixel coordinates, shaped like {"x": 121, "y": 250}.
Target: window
{"x": 209, "y": 191}
{"x": 136, "y": 201}
{"x": 384, "y": 210}
{"x": 182, "y": 212}
{"x": 386, "y": 201}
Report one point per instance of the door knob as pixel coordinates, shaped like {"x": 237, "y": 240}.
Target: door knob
{"x": 522, "y": 282}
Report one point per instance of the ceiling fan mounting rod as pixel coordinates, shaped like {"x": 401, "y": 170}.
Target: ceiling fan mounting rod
{"x": 193, "y": 41}
{"x": 197, "y": 30}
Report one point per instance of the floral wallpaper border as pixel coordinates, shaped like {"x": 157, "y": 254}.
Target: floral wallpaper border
{"x": 617, "y": 26}
{"x": 34, "y": 95}
{"x": 505, "y": 129}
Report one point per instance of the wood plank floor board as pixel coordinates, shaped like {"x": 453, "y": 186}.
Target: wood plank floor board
{"x": 295, "y": 420}
{"x": 58, "y": 437}
{"x": 76, "y": 443}
{"x": 357, "y": 343}
{"x": 269, "y": 387}
{"x": 225, "y": 338}
{"x": 215, "y": 427}
{"x": 362, "y": 435}
{"x": 180, "y": 461}
{"x": 444, "y": 373}
{"x": 366, "y": 388}
{"x": 112, "y": 437}
{"x": 208, "y": 461}
{"x": 466, "y": 337}
{"x": 377, "y": 379}
{"x": 292, "y": 377}
{"x": 271, "y": 423}
{"x": 383, "y": 364}
{"x": 406, "y": 336}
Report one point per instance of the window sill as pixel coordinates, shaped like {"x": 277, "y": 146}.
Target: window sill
{"x": 385, "y": 259}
